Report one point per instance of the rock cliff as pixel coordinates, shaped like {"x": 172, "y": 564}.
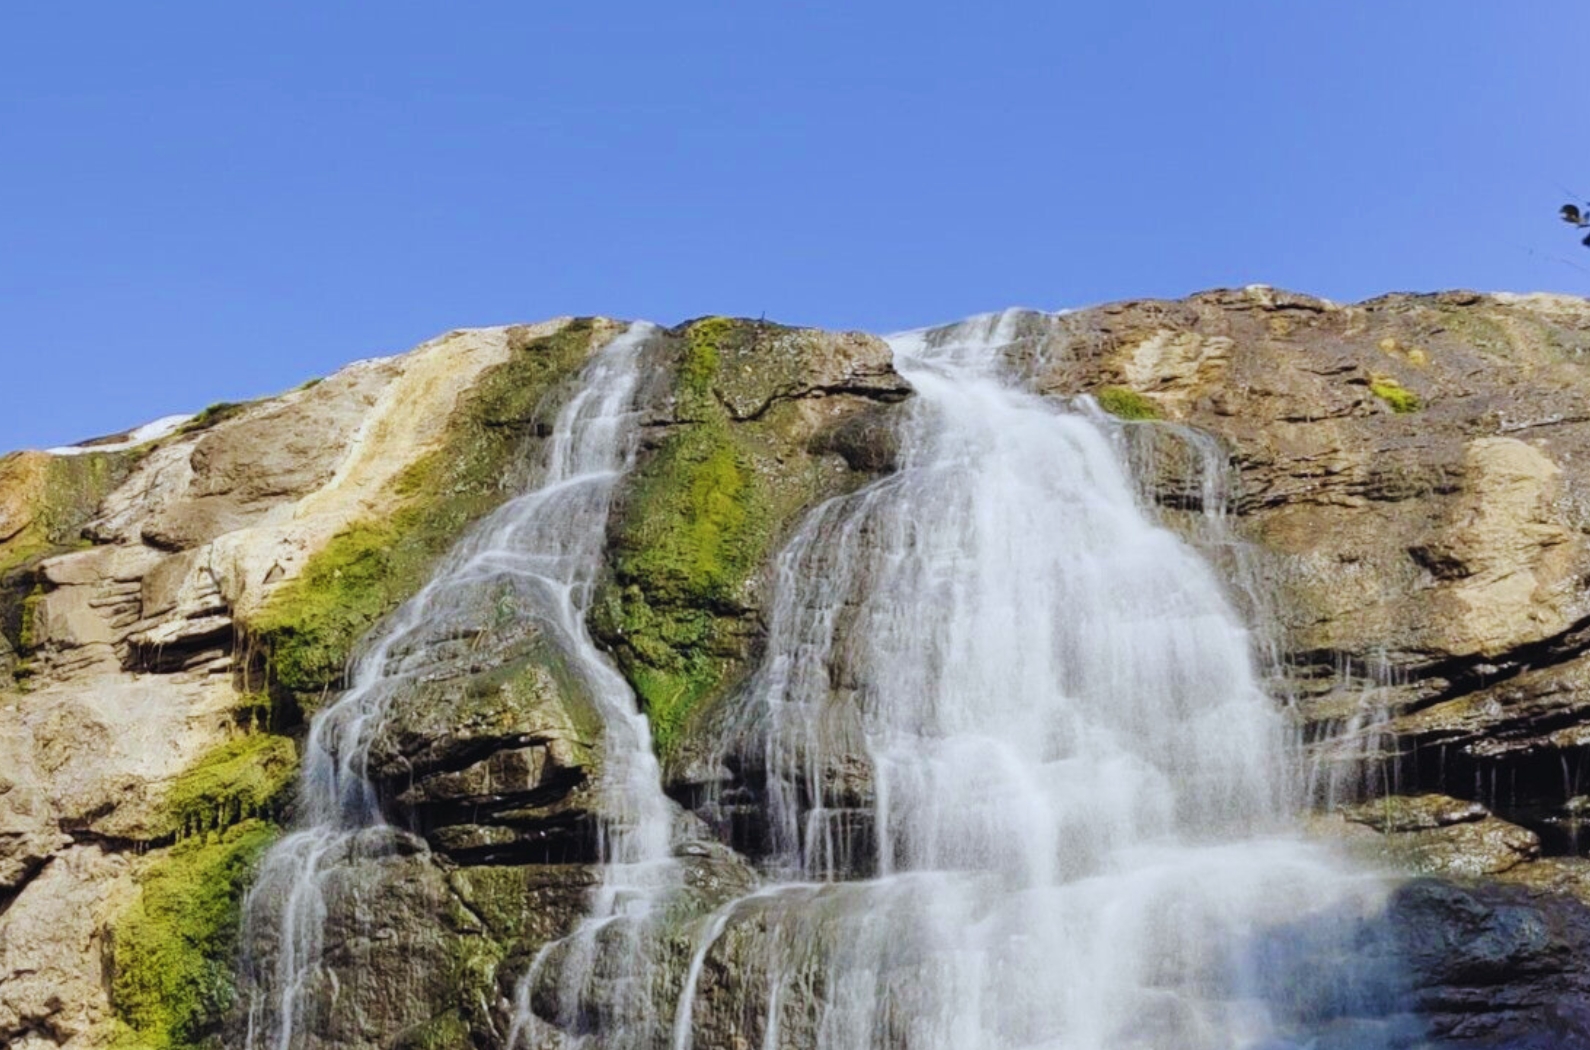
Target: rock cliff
{"x": 1399, "y": 495}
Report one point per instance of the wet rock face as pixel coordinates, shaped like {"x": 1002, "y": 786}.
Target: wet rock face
{"x": 1480, "y": 936}
{"x": 492, "y": 750}
{"x": 419, "y": 952}
{"x": 1443, "y": 965}
{"x": 1494, "y": 966}
{"x": 750, "y": 425}
{"x": 1432, "y": 835}
{"x": 1410, "y": 476}
{"x": 150, "y": 598}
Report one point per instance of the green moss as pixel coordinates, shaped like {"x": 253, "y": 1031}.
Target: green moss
{"x": 172, "y": 951}
{"x": 1477, "y": 328}
{"x": 699, "y": 367}
{"x": 235, "y": 781}
{"x": 448, "y": 1032}
{"x": 699, "y": 520}
{"x": 1400, "y": 399}
{"x": 702, "y": 524}
{"x": 27, "y": 634}
{"x": 308, "y": 629}
{"x": 672, "y": 654}
{"x": 256, "y": 712}
{"x": 312, "y": 622}
{"x": 1125, "y": 403}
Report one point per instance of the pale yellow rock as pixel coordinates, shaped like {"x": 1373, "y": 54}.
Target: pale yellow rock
{"x": 1175, "y": 365}
{"x": 105, "y": 746}
{"x": 52, "y": 948}
{"x": 1401, "y": 813}
{"x": 1566, "y": 875}
{"x": 1514, "y": 562}
{"x": 1468, "y": 850}
{"x": 21, "y": 488}
{"x": 251, "y": 499}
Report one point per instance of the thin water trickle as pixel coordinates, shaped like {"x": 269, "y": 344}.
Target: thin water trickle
{"x": 544, "y": 549}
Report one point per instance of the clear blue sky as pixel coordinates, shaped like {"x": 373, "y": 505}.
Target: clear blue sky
{"x": 204, "y": 201}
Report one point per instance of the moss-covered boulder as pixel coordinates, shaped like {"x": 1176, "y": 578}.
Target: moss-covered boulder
{"x": 744, "y": 448}
{"x": 419, "y": 955}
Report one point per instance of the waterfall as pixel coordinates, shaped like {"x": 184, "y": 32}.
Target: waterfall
{"x": 543, "y": 550}
{"x": 1023, "y": 787}
{"x": 1019, "y": 782}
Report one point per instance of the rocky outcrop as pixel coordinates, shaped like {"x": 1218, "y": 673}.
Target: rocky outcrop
{"x": 1406, "y": 476}
{"x": 1441, "y": 966}
{"x": 1396, "y": 489}
{"x": 415, "y": 946}
{"x": 173, "y": 609}
{"x": 160, "y": 650}
{"x": 493, "y": 752}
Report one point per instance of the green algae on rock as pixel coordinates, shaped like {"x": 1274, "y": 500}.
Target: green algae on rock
{"x": 46, "y": 500}
{"x": 1125, "y": 403}
{"x": 699, "y": 518}
{"x": 494, "y": 764}
{"x": 240, "y": 779}
{"x": 172, "y": 950}
{"x": 210, "y": 415}
{"x": 1397, "y": 397}
{"x": 311, "y": 624}
{"x": 27, "y": 629}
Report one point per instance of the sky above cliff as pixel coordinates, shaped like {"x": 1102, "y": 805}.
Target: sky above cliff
{"x": 205, "y": 203}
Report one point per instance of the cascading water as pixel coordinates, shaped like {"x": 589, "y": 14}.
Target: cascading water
{"x": 1022, "y": 785}
{"x": 540, "y": 553}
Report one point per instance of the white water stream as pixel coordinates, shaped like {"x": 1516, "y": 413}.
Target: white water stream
{"x": 544, "y": 547}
